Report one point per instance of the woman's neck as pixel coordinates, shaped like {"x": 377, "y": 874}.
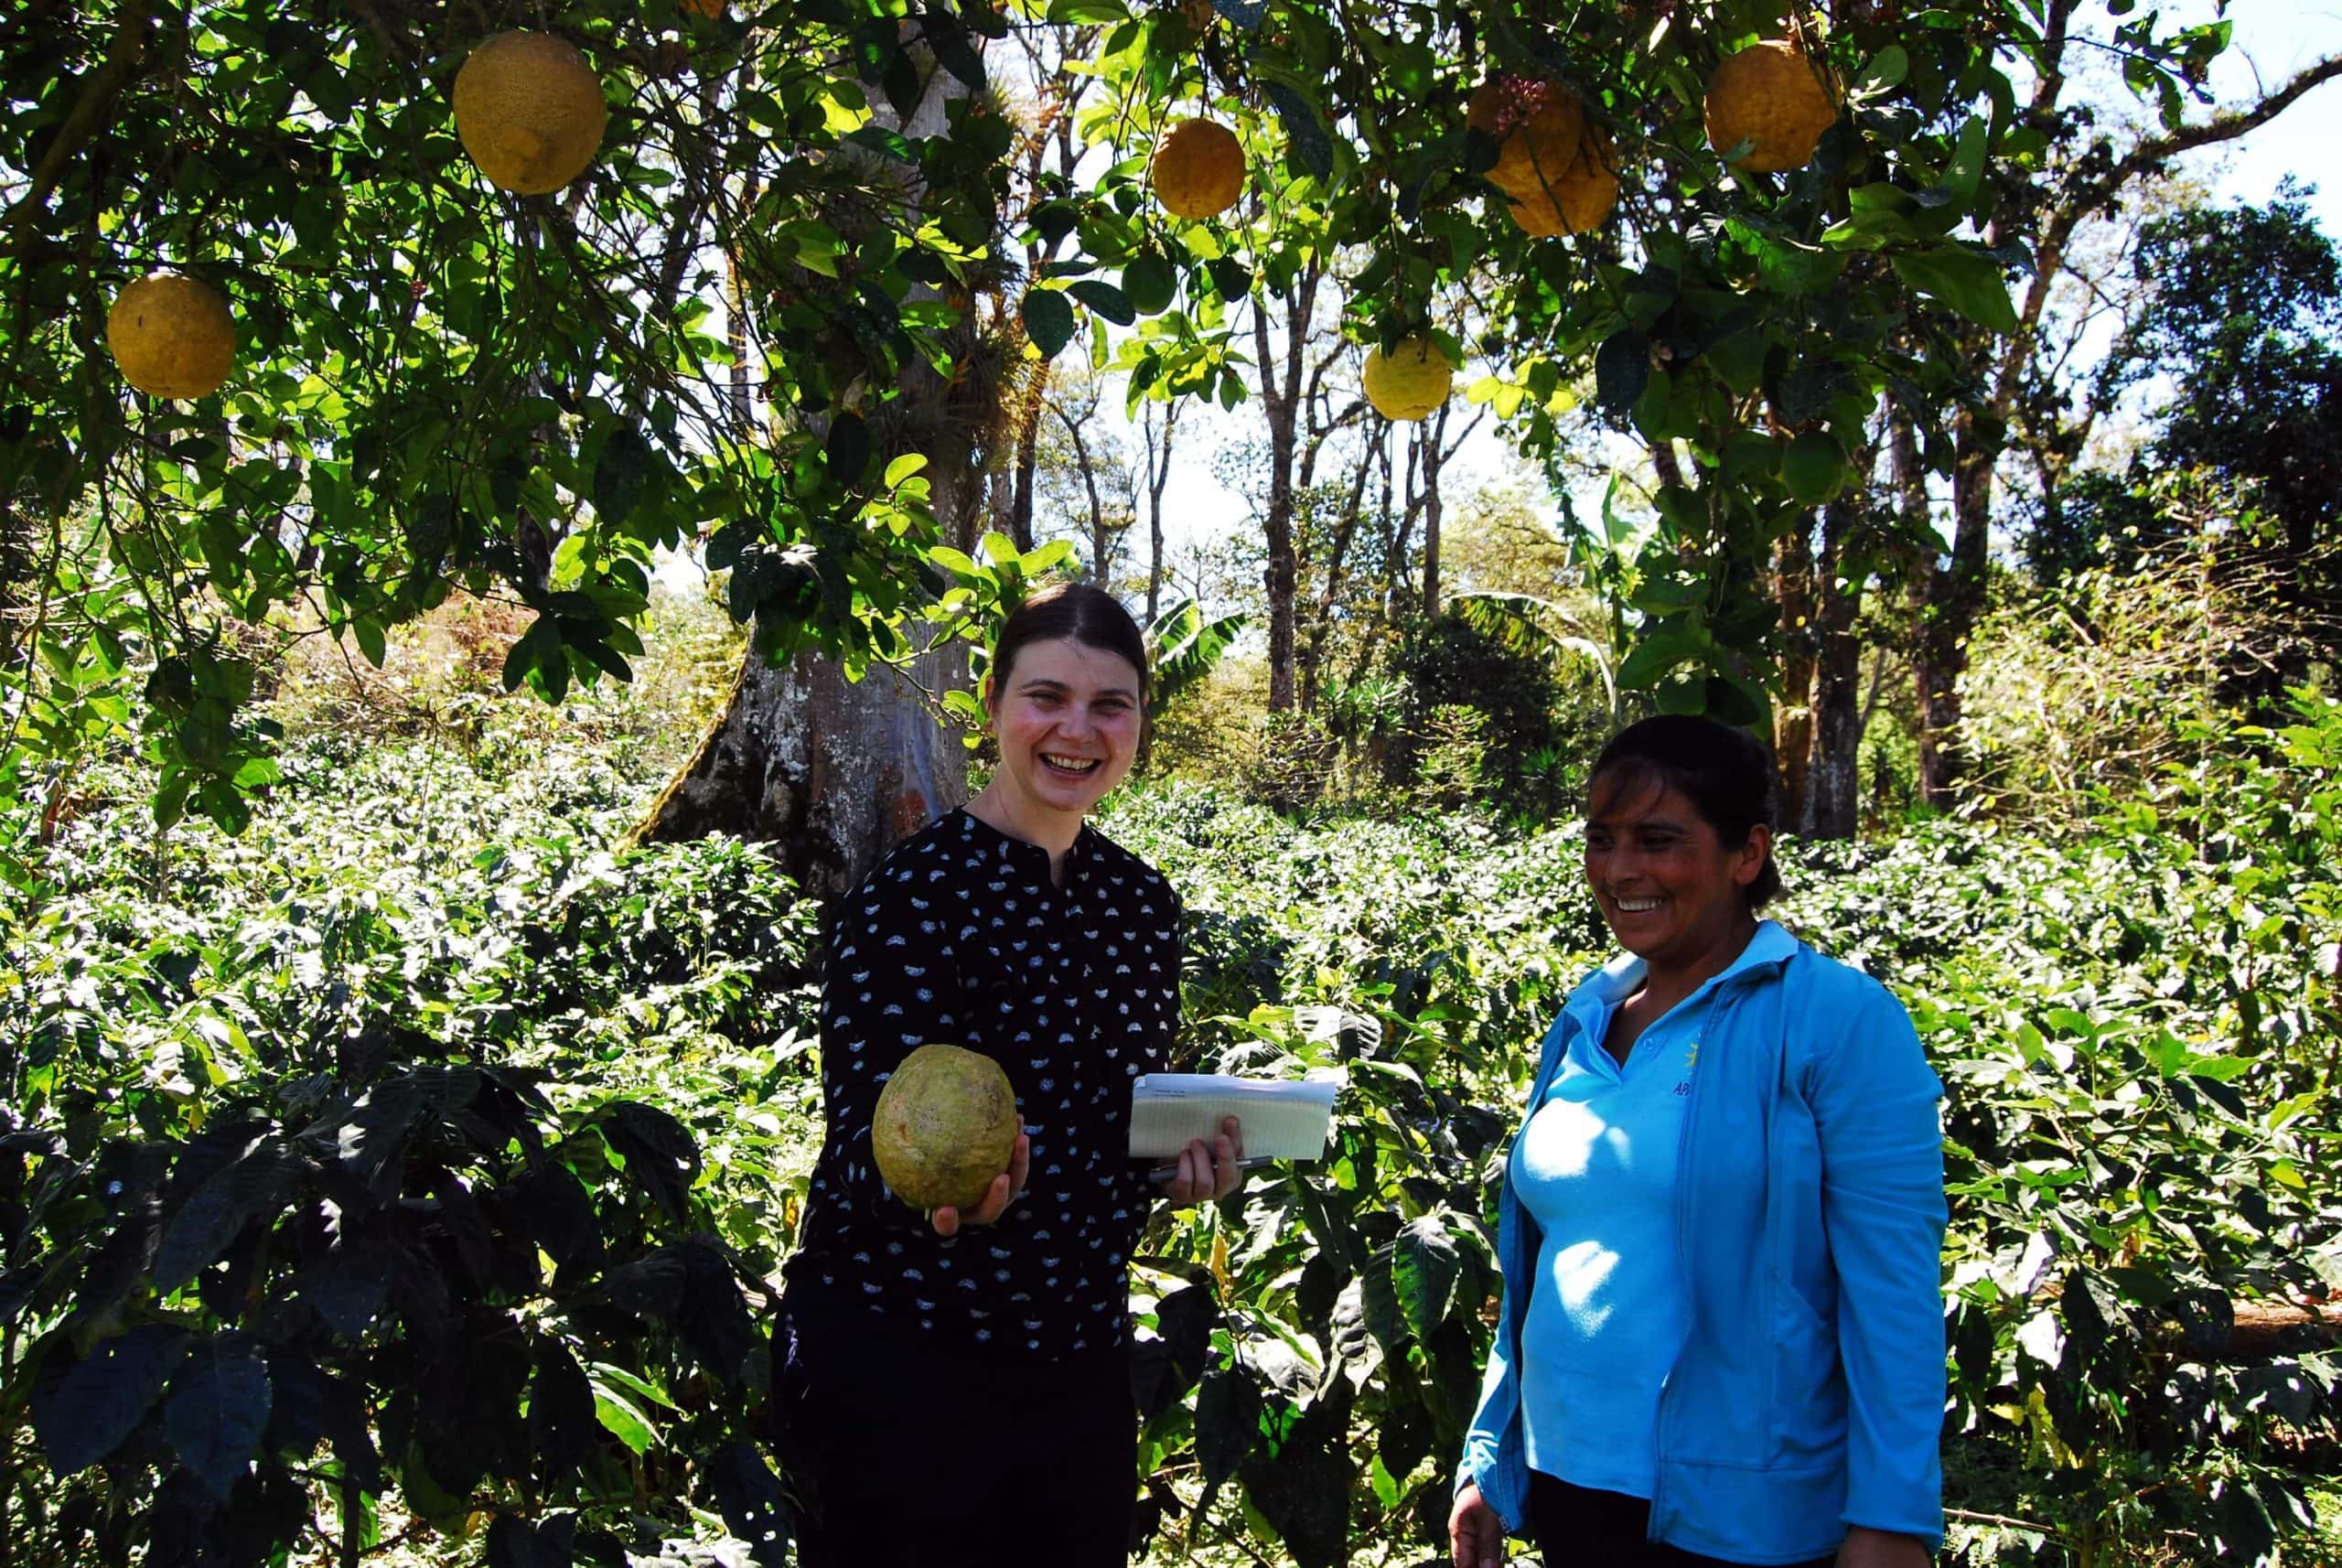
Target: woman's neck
{"x": 1052, "y": 830}
{"x": 1669, "y": 979}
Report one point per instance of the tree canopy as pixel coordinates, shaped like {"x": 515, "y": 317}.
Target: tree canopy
{"x": 803, "y": 218}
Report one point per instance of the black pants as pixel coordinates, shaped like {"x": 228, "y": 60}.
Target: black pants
{"x": 1577, "y": 1526}
{"x": 901, "y": 1454}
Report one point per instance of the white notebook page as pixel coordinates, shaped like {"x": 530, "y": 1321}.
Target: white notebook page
{"x": 1282, "y": 1121}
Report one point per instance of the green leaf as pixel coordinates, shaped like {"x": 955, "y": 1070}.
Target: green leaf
{"x": 1815, "y": 467}
{"x": 1049, "y": 320}
{"x": 1965, "y": 279}
{"x": 371, "y": 643}
{"x": 91, "y": 1408}
{"x": 620, "y": 473}
{"x": 1105, "y": 299}
{"x": 1967, "y": 167}
{"x": 1423, "y": 1268}
{"x": 846, "y": 451}
{"x": 902, "y": 468}
{"x": 748, "y": 1495}
{"x": 1884, "y": 71}
{"x": 212, "y": 1216}
{"x": 1041, "y": 557}
{"x": 1228, "y": 1422}
{"x": 1657, "y": 654}
{"x": 1150, "y": 283}
{"x": 604, "y": 1372}
{"x": 1621, "y": 371}
{"x": 1684, "y": 694}
{"x": 623, "y": 1421}
{"x": 217, "y": 1412}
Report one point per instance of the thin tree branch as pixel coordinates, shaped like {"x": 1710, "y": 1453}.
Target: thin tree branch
{"x": 2080, "y": 200}
{"x": 99, "y": 88}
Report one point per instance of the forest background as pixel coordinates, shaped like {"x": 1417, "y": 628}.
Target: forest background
{"x": 427, "y": 757}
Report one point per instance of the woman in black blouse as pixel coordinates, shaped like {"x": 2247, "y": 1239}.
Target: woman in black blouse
{"x": 953, "y": 1388}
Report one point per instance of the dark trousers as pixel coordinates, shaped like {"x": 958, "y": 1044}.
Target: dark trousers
{"x": 1577, "y": 1526}
{"x": 901, "y": 1454}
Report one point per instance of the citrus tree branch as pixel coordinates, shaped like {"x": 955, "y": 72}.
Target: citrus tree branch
{"x": 98, "y": 89}
{"x": 2150, "y": 153}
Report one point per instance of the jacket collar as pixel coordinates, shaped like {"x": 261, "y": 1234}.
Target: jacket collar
{"x": 1768, "y": 951}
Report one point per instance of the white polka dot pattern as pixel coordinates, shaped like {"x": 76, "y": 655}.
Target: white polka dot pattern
{"x": 960, "y": 937}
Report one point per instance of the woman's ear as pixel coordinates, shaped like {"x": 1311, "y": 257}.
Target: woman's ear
{"x": 1754, "y": 854}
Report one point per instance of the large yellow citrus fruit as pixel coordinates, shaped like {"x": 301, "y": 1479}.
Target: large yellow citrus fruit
{"x": 530, "y": 111}
{"x": 1581, "y": 198}
{"x": 945, "y": 1126}
{"x": 1555, "y": 163}
{"x": 172, "y": 336}
{"x": 1198, "y": 169}
{"x": 1771, "y": 96}
{"x": 1411, "y": 380}
{"x": 1537, "y": 127}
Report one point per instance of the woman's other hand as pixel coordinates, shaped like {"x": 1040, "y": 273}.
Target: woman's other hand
{"x": 1209, "y": 1173}
{"x": 1475, "y": 1534}
{"x": 1881, "y": 1549}
{"x": 947, "y": 1219}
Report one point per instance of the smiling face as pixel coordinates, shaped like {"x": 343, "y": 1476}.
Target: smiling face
{"x": 1672, "y": 890}
{"x": 1068, "y": 724}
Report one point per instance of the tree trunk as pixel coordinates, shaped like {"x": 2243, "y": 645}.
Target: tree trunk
{"x": 831, "y": 773}
{"x": 1833, "y": 805}
{"x": 1158, "y": 477}
{"x": 1028, "y": 459}
{"x": 1951, "y": 598}
{"x": 1430, "y": 433}
{"x": 1793, "y": 720}
{"x": 1283, "y": 387}
{"x": 834, "y": 773}
{"x": 1312, "y": 657}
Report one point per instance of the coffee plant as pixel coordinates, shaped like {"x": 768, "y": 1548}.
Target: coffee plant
{"x": 415, "y": 1168}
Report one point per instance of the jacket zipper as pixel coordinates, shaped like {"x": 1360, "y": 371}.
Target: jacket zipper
{"x": 1720, "y": 1013}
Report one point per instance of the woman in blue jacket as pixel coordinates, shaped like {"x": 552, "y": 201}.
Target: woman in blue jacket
{"x": 1722, "y": 1335}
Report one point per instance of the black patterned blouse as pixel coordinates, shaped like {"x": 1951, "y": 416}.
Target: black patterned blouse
{"x": 960, "y": 937}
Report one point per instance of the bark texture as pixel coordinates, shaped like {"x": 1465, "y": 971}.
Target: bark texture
{"x": 1793, "y": 720}
{"x": 832, "y": 774}
{"x": 1285, "y": 386}
{"x": 1951, "y": 599}
{"x": 1833, "y": 798}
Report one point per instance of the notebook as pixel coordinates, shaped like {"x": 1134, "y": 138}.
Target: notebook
{"x": 1282, "y": 1119}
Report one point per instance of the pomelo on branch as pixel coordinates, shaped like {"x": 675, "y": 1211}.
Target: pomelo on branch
{"x": 1773, "y": 97}
{"x": 945, "y": 1126}
{"x": 172, "y": 336}
{"x": 1581, "y": 198}
{"x": 1553, "y": 160}
{"x": 530, "y": 111}
{"x": 1198, "y": 169}
{"x": 1411, "y": 380}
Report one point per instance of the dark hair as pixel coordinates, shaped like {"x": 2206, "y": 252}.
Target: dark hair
{"x": 1078, "y": 612}
{"x": 1726, "y": 773}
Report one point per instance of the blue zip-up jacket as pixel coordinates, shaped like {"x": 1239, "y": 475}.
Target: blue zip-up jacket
{"x": 1808, "y": 1396}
